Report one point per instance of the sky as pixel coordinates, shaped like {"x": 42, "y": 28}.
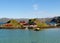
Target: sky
{"x": 29, "y": 8}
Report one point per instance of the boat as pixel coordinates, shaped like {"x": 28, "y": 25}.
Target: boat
{"x": 37, "y": 29}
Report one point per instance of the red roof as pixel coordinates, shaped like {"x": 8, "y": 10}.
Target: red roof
{"x": 8, "y": 25}
{"x": 23, "y": 22}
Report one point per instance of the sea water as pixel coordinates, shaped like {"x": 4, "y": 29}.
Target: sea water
{"x": 30, "y": 36}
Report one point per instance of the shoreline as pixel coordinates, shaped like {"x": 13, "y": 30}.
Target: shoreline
{"x": 29, "y": 28}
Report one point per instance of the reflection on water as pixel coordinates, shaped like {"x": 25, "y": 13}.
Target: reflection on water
{"x": 30, "y": 36}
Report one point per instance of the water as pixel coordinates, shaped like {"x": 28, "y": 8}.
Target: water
{"x": 30, "y": 36}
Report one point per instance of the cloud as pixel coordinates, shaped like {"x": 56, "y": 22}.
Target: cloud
{"x": 35, "y": 6}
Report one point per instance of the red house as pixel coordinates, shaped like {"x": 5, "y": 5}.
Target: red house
{"x": 23, "y": 23}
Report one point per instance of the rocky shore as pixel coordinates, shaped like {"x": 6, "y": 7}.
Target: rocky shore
{"x": 29, "y": 27}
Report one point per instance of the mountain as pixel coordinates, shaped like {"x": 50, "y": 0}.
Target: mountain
{"x": 7, "y": 19}
{"x": 25, "y": 19}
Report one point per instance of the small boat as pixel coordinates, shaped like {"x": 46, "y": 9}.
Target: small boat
{"x": 37, "y": 29}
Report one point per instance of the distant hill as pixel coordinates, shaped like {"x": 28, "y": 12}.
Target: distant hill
{"x": 24, "y": 19}
{"x": 7, "y": 19}
{"x": 4, "y": 19}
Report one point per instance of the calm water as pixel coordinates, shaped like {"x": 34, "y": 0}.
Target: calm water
{"x": 30, "y": 36}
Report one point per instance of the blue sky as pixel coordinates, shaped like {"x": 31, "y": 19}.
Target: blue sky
{"x": 29, "y": 8}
